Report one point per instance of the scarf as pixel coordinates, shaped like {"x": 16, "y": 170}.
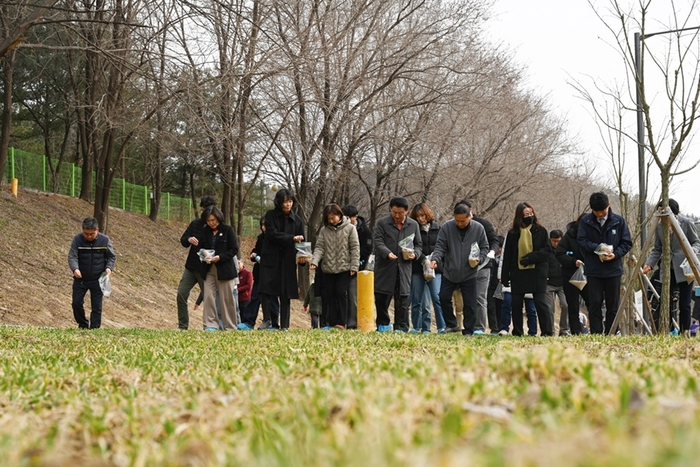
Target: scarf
{"x": 525, "y": 246}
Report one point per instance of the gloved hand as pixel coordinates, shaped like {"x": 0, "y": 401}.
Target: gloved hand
{"x": 525, "y": 260}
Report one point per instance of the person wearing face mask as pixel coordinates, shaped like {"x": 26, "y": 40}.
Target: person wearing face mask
{"x": 685, "y": 290}
{"x": 339, "y": 247}
{"x": 525, "y": 267}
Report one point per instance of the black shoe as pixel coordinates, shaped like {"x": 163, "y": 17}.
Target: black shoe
{"x": 265, "y": 325}
{"x": 452, "y": 330}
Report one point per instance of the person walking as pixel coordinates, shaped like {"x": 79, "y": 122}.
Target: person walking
{"x": 685, "y": 289}
{"x": 219, "y": 271}
{"x": 393, "y": 264}
{"x": 90, "y": 256}
{"x": 570, "y": 256}
{"x": 525, "y": 268}
{"x": 461, "y": 246}
{"x": 423, "y": 291}
{"x": 191, "y": 276}
{"x": 555, "y": 284}
{"x": 278, "y": 267}
{"x": 605, "y": 239}
{"x": 364, "y": 235}
{"x": 338, "y": 246}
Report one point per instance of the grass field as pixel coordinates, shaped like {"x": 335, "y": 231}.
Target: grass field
{"x": 325, "y": 398}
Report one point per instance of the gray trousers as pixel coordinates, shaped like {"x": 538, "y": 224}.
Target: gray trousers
{"x": 483, "y": 276}
{"x": 552, "y": 292}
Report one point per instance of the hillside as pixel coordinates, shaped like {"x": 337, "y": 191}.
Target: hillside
{"x": 36, "y": 230}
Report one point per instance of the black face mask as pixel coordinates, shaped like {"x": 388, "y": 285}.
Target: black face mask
{"x": 528, "y": 220}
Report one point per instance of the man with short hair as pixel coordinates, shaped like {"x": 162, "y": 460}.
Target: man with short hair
{"x": 364, "y": 235}
{"x": 191, "y": 275}
{"x": 604, "y": 239}
{"x": 91, "y": 255}
{"x": 555, "y": 284}
{"x": 452, "y": 251}
{"x": 393, "y": 267}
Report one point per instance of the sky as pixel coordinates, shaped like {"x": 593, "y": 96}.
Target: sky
{"x": 561, "y": 41}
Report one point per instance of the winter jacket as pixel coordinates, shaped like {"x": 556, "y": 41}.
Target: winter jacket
{"x": 387, "y": 271}
{"x": 192, "y": 230}
{"x": 452, "y": 251}
{"x": 225, "y": 246}
{"x": 339, "y": 248}
{"x": 364, "y": 235}
{"x": 92, "y": 258}
{"x": 569, "y": 251}
{"x": 615, "y": 233}
{"x": 278, "y": 269}
{"x": 491, "y": 237}
{"x": 245, "y": 285}
{"x": 429, "y": 239}
{"x": 526, "y": 280}
{"x": 677, "y": 252}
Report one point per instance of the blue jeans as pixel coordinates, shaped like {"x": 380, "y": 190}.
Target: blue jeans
{"x": 422, "y": 293}
{"x": 529, "y": 310}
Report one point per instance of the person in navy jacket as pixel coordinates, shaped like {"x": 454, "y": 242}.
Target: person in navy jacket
{"x": 604, "y": 238}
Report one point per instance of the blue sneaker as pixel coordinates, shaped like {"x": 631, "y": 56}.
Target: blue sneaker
{"x": 441, "y": 331}
{"x": 426, "y": 332}
{"x": 384, "y": 328}
{"x": 244, "y": 327}
{"x": 414, "y": 331}
{"x": 478, "y": 332}
{"x": 211, "y": 329}
{"x": 674, "y": 332}
{"x": 326, "y": 328}
{"x": 400, "y": 330}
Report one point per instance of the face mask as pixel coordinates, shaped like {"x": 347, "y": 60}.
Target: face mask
{"x": 528, "y": 220}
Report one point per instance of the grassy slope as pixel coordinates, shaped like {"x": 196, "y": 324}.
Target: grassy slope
{"x": 35, "y": 283}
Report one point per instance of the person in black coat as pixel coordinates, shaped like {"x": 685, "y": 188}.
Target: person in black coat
{"x": 278, "y": 271}
{"x": 525, "y": 267}
{"x": 191, "y": 275}
{"x": 364, "y": 234}
{"x": 570, "y": 256}
{"x": 219, "y": 270}
{"x": 249, "y": 314}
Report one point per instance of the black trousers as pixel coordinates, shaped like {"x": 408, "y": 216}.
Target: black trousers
{"x": 400, "y": 310}
{"x": 599, "y": 289}
{"x": 335, "y": 293}
{"x": 468, "y": 289}
{"x": 80, "y": 288}
{"x": 572, "y": 294}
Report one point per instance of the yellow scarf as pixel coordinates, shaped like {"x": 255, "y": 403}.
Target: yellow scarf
{"x": 525, "y": 246}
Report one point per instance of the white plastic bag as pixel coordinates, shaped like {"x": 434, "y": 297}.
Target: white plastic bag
{"x": 603, "y": 250}
{"x": 474, "y": 255}
{"x": 578, "y": 279}
{"x": 205, "y": 255}
{"x": 105, "y": 284}
{"x": 687, "y": 271}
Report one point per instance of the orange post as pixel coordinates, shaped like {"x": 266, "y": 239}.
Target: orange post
{"x": 365, "y": 301}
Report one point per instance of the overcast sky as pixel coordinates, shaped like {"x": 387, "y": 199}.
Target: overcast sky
{"x": 563, "y": 40}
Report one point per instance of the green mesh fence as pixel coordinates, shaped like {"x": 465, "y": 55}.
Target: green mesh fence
{"x": 34, "y": 171}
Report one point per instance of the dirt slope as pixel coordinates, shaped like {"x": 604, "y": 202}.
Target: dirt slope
{"x": 36, "y": 230}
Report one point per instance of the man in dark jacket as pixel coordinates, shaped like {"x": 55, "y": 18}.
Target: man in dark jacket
{"x": 364, "y": 234}
{"x": 91, "y": 254}
{"x": 392, "y": 273}
{"x": 555, "y": 284}
{"x": 191, "y": 275}
{"x": 604, "y": 238}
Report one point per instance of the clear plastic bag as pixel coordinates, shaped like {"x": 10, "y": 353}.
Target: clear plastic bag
{"x": 687, "y": 271}
{"x": 205, "y": 255}
{"x": 603, "y": 250}
{"x": 578, "y": 279}
{"x": 406, "y": 246}
{"x": 370, "y": 263}
{"x": 105, "y": 284}
{"x": 428, "y": 272}
{"x": 304, "y": 254}
{"x": 498, "y": 293}
{"x": 474, "y": 255}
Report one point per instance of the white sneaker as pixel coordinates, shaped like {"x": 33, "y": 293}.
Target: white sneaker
{"x": 502, "y": 333}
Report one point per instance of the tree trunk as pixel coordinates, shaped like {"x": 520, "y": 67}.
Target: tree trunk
{"x": 8, "y": 73}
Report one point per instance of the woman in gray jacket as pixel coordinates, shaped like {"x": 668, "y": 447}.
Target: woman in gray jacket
{"x": 339, "y": 248}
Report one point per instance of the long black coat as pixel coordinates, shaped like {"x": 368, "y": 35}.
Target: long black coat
{"x": 226, "y": 247}
{"x": 526, "y": 280}
{"x": 278, "y": 271}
